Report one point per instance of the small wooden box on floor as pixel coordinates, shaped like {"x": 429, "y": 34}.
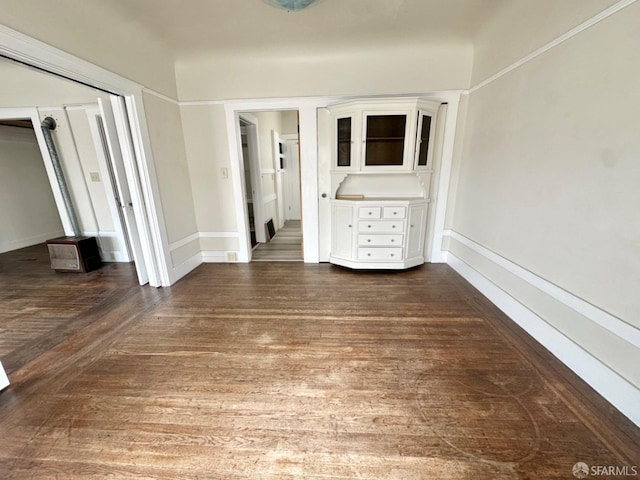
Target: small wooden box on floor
{"x": 74, "y": 254}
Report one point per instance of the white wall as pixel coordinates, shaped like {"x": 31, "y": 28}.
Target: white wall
{"x": 28, "y": 213}
{"x": 207, "y": 150}
{"x": 361, "y": 71}
{"x": 174, "y": 181}
{"x": 520, "y": 27}
{"x": 289, "y": 119}
{"x": 98, "y": 32}
{"x": 547, "y": 196}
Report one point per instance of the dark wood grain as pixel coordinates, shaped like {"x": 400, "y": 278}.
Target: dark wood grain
{"x": 289, "y": 371}
{"x": 40, "y": 308}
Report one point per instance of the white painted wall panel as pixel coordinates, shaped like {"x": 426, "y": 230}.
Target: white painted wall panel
{"x": 207, "y": 150}
{"x": 399, "y": 69}
{"x": 28, "y": 213}
{"x": 550, "y": 169}
{"x": 167, "y": 142}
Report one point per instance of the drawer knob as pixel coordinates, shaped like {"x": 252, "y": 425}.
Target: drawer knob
{"x": 368, "y": 226}
{"x": 392, "y": 254}
{"x": 393, "y": 240}
{"x": 349, "y": 226}
{"x": 369, "y": 240}
{"x": 370, "y": 213}
{"x": 393, "y": 226}
{"x": 395, "y": 213}
{"x": 368, "y": 254}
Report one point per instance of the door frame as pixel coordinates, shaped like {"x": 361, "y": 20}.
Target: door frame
{"x": 103, "y": 154}
{"x": 31, "y": 52}
{"x": 307, "y": 111}
{"x": 255, "y": 172}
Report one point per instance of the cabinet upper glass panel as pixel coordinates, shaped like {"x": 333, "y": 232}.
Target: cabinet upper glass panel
{"x": 423, "y": 141}
{"x": 344, "y": 142}
{"x": 384, "y": 141}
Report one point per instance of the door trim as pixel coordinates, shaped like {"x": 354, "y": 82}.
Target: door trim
{"x": 255, "y": 172}
{"x": 308, "y": 166}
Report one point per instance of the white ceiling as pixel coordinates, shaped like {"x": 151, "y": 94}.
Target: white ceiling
{"x": 196, "y": 27}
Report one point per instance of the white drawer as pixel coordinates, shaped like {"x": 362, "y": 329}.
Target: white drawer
{"x": 369, "y": 212}
{"x": 380, "y": 240}
{"x": 389, "y": 254}
{"x": 381, "y": 226}
{"x": 394, "y": 212}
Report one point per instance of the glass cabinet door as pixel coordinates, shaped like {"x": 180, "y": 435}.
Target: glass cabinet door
{"x": 344, "y": 142}
{"x": 384, "y": 141}
{"x": 424, "y": 136}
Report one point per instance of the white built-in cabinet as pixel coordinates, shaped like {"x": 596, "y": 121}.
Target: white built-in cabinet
{"x": 381, "y": 175}
{"x": 384, "y": 135}
{"x": 378, "y": 234}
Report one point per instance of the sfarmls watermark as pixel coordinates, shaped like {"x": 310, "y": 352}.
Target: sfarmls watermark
{"x": 582, "y": 470}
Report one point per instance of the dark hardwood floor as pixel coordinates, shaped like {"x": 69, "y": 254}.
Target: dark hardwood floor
{"x": 40, "y": 308}
{"x": 288, "y": 371}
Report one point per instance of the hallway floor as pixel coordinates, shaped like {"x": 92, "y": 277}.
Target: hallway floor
{"x": 285, "y": 246}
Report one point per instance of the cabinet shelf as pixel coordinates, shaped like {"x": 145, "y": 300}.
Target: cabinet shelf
{"x": 383, "y": 139}
{"x": 384, "y": 135}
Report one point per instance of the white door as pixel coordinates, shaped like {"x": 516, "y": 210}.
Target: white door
{"x": 292, "y": 180}
{"x": 342, "y": 232}
{"x": 278, "y": 166}
{"x": 96, "y": 127}
{"x": 125, "y": 177}
{"x": 250, "y": 125}
{"x": 415, "y": 242}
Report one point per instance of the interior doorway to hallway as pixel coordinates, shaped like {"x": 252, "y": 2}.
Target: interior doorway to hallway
{"x": 271, "y": 166}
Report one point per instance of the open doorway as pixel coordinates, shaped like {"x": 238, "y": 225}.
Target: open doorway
{"x": 79, "y": 186}
{"x": 271, "y": 165}
{"x": 42, "y": 308}
{"x": 91, "y": 135}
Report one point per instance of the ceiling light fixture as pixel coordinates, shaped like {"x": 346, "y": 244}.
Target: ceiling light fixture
{"x": 291, "y": 5}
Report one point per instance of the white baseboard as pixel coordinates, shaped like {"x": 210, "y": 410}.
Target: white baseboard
{"x": 211, "y": 256}
{"x": 29, "y": 241}
{"x": 615, "y": 389}
{"x": 604, "y": 319}
{"x": 184, "y": 268}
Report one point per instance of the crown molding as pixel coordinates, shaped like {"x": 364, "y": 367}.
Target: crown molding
{"x": 34, "y": 53}
{"x": 554, "y": 43}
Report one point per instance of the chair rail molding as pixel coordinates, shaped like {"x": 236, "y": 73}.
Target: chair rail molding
{"x": 616, "y": 389}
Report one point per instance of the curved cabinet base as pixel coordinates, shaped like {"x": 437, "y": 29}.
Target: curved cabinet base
{"x": 358, "y": 265}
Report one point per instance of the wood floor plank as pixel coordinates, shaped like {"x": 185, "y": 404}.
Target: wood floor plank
{"x": 292, "y": 371}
